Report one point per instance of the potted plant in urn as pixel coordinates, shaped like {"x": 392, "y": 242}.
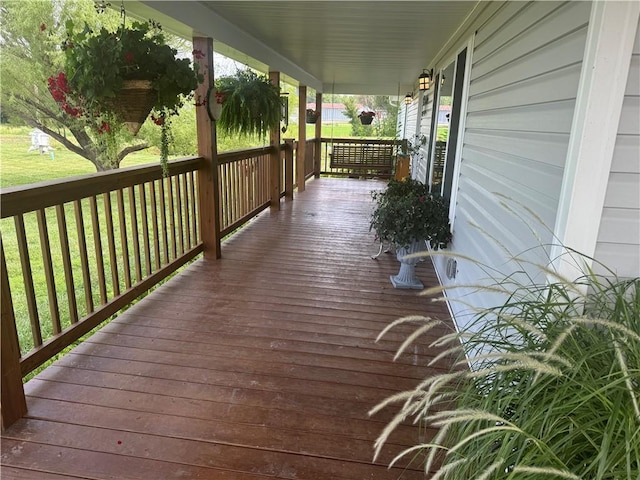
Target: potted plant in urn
{"x": 366, "y": 117}
{"x": 406, "y": 214}
{"x": 118, "y": 77}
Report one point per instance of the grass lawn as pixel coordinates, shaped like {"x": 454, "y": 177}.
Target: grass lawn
{"x": 337, "y": 130}
{"x": 19, "y": 166}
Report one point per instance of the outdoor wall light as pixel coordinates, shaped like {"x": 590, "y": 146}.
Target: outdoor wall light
{"x": 408, "y": 98}
{"x": 442, "y": 80}
{"x": 424, "y": 80}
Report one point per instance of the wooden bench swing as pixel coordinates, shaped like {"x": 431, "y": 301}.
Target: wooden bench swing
{"x": 371, "y": 158}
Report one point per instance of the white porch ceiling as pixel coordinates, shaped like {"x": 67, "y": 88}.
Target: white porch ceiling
{"x": 358, "y": 47}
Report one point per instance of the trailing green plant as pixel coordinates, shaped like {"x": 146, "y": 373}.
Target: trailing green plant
{"x": 251, "y": 104}
{"x": 552, "y": 392}
{"x": 406, "y": 211}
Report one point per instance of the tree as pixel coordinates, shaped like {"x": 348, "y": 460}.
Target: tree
{"x": 384, "y": 123}
{"x": 30, "y": 37}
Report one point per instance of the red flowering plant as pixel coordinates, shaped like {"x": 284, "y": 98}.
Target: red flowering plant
{"x": 98, "y": 63}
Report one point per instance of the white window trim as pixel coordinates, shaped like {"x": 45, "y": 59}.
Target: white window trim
{"x": 461, "y": 130}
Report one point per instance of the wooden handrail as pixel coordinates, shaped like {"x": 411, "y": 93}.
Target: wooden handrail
{"x": 29, "y": 198}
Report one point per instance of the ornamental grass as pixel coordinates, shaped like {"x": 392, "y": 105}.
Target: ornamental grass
{"x": 546, "y": 386}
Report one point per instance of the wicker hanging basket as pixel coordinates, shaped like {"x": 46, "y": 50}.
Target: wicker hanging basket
{"x": 134, "y": 103}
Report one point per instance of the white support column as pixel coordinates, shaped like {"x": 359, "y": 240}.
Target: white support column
{"x": 603, "y": 79}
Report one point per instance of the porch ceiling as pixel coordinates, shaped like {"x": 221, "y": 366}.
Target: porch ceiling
{"x": 365, "y": 47}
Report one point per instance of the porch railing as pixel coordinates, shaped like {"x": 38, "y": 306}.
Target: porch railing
{"x": 310, "y": 155}
{"x": 244, "y": 186}
{"x": 74, "y": 252}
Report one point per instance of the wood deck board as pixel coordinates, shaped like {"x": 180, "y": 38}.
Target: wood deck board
{"x": 260, "y": 365}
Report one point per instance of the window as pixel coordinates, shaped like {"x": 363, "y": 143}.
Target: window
{"x": 446, "y": 124}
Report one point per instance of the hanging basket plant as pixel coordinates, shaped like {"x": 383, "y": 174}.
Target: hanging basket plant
{"x": 312, "y": 115}
{"x": 134, "y": 103}
{"x": 115, "y": 78}
{"x": 127, "y": 72}
{"x": 251, "y": 104}
{"x": 366, "y": 117}
{"x": 214, "y": 104}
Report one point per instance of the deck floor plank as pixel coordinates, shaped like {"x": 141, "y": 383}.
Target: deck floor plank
{"x": 260, "y": 365}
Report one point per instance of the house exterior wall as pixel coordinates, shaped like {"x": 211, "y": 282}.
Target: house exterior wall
{"x": 408, "y": 124}
{"x": 408, "y": 120}
{"x": 425, "y": 112}
{"x": 525, "y": 71}
{"x": 618, "y": 245}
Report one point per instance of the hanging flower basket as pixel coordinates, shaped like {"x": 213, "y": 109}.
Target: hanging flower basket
{"x": 126, "y": 72}
{"x": 134, "y": 103}
{"x": 251, "y": 104}
{"x": 312, "y": 115}
{"x": 366, "y": 118}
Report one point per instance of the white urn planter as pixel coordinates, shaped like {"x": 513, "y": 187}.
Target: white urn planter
{"x": 406, "y": 277}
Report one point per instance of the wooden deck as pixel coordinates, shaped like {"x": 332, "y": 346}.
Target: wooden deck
{"x": 260, "y": 365}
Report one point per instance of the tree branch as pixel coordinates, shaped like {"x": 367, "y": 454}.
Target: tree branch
{"x": 130, "y": 149}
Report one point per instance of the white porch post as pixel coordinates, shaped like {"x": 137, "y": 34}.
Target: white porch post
{"x": 610, "y": 40}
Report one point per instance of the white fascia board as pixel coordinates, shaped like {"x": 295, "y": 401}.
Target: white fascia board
{"x": 209, "y": 24}
{"x": 605, "y": 69}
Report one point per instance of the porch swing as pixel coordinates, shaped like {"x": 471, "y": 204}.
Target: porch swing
{"x": 360, "y": 157}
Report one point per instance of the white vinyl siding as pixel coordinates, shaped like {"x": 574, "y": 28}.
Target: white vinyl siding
{"x": 407, "y": 120}
{"x": 412, "y": 120}
{"x": 420, "y": 162}
{"x": 407, "y": 125}
{"x": 524, "y": 80}
{"x": 618, "y": 244}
